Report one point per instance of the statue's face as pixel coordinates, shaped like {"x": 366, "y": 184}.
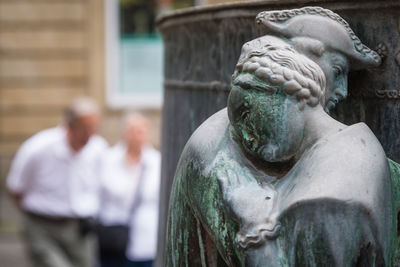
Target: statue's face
{"x": 335, "y": 67}
{"x": 268, "y": 122}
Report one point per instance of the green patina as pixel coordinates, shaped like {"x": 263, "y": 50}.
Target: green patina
{"x": 262, "y": 115}
{"x": 192, "y": 207}
{"x": 395, "y": 242}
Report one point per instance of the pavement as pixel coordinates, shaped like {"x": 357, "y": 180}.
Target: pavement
{"x": 12, "y": 252}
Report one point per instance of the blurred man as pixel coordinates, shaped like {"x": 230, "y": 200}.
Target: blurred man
{"x": 129, "y": 196}
{"x": 54, "y": 180}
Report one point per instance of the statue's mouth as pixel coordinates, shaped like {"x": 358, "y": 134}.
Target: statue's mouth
{"x": 334, "y": 100}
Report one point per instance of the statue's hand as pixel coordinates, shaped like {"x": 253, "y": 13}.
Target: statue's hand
{"x": 251, "y": 202}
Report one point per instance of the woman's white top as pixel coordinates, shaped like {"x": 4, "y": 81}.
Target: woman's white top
{"x": 119, "y": 188}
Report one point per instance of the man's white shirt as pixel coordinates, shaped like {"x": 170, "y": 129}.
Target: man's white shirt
{"x": 53, "y": 179}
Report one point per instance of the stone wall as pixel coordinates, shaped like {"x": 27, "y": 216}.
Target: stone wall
{"x": 50, "y": 52}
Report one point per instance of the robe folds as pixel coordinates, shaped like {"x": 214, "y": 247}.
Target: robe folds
{"x": 336, "y": 206}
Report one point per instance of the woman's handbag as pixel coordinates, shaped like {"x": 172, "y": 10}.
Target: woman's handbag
{"x": 113, "y": 239}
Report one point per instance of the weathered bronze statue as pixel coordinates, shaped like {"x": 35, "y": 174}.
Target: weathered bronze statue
{"x": 273, "y": 180}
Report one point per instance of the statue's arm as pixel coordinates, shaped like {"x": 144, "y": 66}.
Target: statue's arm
{"x": 200, "y": 225}
{"x": 200, "y": 232}
{"x": 182, "y": 239}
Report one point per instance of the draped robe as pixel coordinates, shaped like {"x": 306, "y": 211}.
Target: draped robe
{"x": 334, "y": 207}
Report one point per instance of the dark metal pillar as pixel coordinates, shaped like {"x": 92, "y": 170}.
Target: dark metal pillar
{"x": 203, "y": 44}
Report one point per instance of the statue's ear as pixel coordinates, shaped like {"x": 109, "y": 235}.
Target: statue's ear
{"x": 308, "y": 45}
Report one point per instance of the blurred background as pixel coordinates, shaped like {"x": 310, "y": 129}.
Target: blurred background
{"x": 54, "y": 51}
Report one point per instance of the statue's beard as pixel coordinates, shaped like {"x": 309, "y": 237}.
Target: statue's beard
{"x": 259, "y": 142}
{"x": 267, "y": 150}
{"x": 250, "y": 137}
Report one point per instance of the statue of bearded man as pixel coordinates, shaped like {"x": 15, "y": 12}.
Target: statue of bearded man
{"x": 273, "y": 180}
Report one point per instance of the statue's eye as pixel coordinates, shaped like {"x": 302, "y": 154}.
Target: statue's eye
{"x": 245, "y": 85}
{"x": 243, "y": 82}
{"x": 337, "y": 70}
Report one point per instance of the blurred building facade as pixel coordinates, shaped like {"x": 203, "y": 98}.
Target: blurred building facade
{"x": 51, "y": 52}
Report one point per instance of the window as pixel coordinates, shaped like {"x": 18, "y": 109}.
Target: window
{"x": 134, "y": 54}
{"x": 134, "y": 51}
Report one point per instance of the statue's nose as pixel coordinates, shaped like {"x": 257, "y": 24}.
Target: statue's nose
{"x": 340, "y": 93}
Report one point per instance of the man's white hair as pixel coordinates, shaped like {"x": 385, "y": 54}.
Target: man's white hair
{"x": 81, "y": 106}
{"x": 132, "y": 117}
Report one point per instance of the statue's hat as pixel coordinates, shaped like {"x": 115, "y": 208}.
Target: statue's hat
{"x": 323, "y": 25}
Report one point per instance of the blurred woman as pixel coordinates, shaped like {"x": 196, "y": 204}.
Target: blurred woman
{"x": 129, "y": 196}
